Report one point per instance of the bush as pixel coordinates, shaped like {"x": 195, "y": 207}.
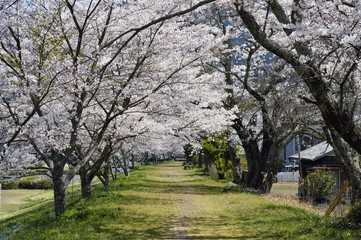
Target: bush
{"x": 44, "y": 184}
{"x": 243, "y": 161}
{"x": 9, "y": 185}
{"x": 26, "y": 182}
{"x": 319, "y": 184}
{"x": 216, "y": 151}
{"x": 34, "y": 182}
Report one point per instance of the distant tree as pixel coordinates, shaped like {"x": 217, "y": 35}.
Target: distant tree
{"x": 188, "y": 151}
{"x": 216, "y": 152}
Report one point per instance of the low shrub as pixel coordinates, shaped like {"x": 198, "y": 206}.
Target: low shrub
{"x": 27, "y": 182}
{"x": 319, "y": 184}
{"x": 44, "y": 184}
{"x": 9, "y": 185}
{"x": 35, "y": 182}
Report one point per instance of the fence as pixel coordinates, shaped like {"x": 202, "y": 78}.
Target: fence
{"x": 287, "y": 176}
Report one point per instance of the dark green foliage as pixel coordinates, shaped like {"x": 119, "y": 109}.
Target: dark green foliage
{"x": 31, "y": 182}
{"x": 10, "y": 185}
{"x": 42, "y": 184}
{"x": 188, "y": 151}
{"x": 216, "y": 151}
{"x": 319, "y": 184}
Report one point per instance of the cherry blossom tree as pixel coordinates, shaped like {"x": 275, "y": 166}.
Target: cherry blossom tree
{"x": 258, "y": 86}
{"x": 320, "y": 41}
{"x": 89, "y": 62}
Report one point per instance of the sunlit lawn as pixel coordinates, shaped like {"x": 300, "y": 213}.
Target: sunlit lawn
{"x": 289, "y": 186}
{"x": 13, "y": 202}
{"x": 166, "y": 202}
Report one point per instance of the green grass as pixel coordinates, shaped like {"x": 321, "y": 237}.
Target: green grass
{"x": 166, "y": 202}
{"x": 15, "y": 202}
{"x": 290, "y": 186}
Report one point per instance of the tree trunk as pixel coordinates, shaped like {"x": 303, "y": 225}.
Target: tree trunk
{"x": 350, "y": 159}
{"x": 88, "y": 172}
{"x": 236, "y": 165}
{"x": 115, "y": 172}
{"x": 354, "y": 173}
{"x": 86, "y": 190}
{"x": 106, "y": 177}
{"x": 200, "y": 159}
{"x": 59, "y": 188}
{"x": 114, "y": 175}
{"x": 124, "y": 163}
{"x": 125, "y": 168}
{"x": 255, "y": 167}
{"x": 272, "y": 169}
{"x": 145, "y": 158}
{"x": 85, "y": 182}
{"x": 133, "y": 161}
{"x": 103, "y": 176}
{"x": 256, "y": 158}
{"x": 254, "y": 164}
{"x": 275, "y": 164}
{"x": 207, "y": 165}
{"x": 237, "y": 172}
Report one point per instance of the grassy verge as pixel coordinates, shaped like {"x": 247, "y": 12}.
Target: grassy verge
{"x": 15, "y": 202}
{"x": 166, "y": 202}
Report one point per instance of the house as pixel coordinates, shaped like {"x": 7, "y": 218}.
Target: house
{"x": 302, "y": 142}
{"x": 320, "y": 157}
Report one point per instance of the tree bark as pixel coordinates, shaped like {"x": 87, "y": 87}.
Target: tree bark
{"x": 126, "y": 172}
{"x": 107, "y": 169}
{"x": 115, "y": 171}
{"x": 200, "y": 159}
{"x": 85, "y": 182}
{"x": 125, "y": 163}
{"x": 59, "y": 188}
{"x": 256, "y": 158}
{"x": 351, "y": 161}
{"x": 88, "y": 172}
{"x": 207, "y": 165}
{"x": 255, "y": 164}
{"x": 236, "y": 165}
{"x": 133, "y": 161}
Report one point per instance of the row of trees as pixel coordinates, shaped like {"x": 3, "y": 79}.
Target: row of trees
{"x": 81, "y": 80}
{"x": 291, "y": 67}
{"x": 319, "y": 42}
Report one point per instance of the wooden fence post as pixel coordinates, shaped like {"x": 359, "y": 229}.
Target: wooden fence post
{"x": 338, "y": 198}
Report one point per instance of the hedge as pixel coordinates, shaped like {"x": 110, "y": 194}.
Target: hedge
{"x": 32, "y": 182}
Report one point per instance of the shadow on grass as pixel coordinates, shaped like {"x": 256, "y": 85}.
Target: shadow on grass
{"x": 174, "y": 188}
{"x": 211, "y": 228}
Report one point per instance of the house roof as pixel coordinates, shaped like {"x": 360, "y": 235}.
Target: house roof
{"x": 314, "y": 153}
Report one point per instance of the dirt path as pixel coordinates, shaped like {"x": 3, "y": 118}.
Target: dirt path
{"x": 201, "y": 210}
{"x": 185, "y": 206}
{"x": 198, "y": 208}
